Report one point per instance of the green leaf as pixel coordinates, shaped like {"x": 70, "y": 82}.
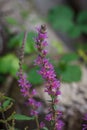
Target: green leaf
{"x": 83, "y": 28}
{"x": 11, "y": 21}
{"x": 9, "y": 64}
{"x": 62, "y": 12}
{"x": 45, "y": 128}
{"x": 82, "y": 17}
{"x": 30, "y": 43}
{"x": 74, "y": 31}
{"x": 69, "y": 57}
{"x": 18, "y": 39}
{"x": 11, "y": 99}
{"x": 82, "y": 21}
{"x": 72, "y": 73}
{"x": 6, "y": 103}
{"x": 55, "y": 107}
{"x": 22, "y": 117}
{"x": 34, "y": 77}
{"x": 61, "y": 18}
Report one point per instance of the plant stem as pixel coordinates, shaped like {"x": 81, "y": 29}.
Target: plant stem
{"x": 6, "y": 124}
{"x": 37, "y": 122}
{"x": 54, "y": 114}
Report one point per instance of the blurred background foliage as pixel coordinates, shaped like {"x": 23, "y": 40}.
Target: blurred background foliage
{"x": 62, "y": 18}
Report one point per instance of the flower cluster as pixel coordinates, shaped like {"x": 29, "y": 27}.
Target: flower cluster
{"x": 28, "y": 93}
{"x": 85, "y": 124}
{"x": 52, "y": 85}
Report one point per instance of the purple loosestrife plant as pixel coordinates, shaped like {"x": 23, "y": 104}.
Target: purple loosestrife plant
{"x": 26, "y": 87}
{"x": 84, "y": 126}
{"x": 52, "y": 84}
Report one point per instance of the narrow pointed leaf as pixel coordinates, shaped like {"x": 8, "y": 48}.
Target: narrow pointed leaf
{"x": 22, "y": 117}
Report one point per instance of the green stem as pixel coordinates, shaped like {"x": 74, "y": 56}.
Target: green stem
{"x": 6, "y": 124}
{"x": 37, "y": 122}
{"x": 54, "y": 114}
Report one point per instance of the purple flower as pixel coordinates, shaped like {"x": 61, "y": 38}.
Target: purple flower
{"x": 84, "y": 127}
{"x": 85, "y": 117}
{"x": 59, "y": 124}
{"x": 25, "y": 88}
{"x": 34, "y": 92}
{"x": 47, "y": 65}
{"x": 44, "y": 52}
{"x": 31, "y": 101}
{"x": 44, "y": 43}
{"x": 48, "y": 117}
{"x": 42, "y": 124}
{"x": 24, "y": 84}
{"x": 34, "y": 113}
{"x": 38, "y": 61}
{"x": 85, "y": 124}
{"x": 42, "y": 35}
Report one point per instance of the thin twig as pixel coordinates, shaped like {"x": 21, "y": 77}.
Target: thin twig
{"x": 21, "y": 56}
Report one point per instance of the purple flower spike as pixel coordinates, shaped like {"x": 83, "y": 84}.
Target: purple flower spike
{"x": 25, "y": 86}
{"x": 52, "y": 84}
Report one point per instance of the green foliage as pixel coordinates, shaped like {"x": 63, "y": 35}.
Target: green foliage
{"x": 82, "y": 47}
{"x": 82, "y": 55}
{"x": 66, "y": 70}
{"x": 11, "y": 21}
{"x": 69, "y": 57}
{"x": 17, "y": 41}
{"x": 9, "y": 64}
{"x": 24, "y": 14}
{"x": 71, "y": 73}
{"x": 82, "y": 21}
{"x": 6, "y": 103}
{"x": 45, "y": 128}
{"x": 74, "y": 31}
{"x": 34, "y": 77}
{"x": 22, "y": 117}
{"x": 61, "y": 18}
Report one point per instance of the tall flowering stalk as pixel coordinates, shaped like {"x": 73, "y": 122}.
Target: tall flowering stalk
{"x": 52, "y": 85}
{"x": 26, "y": 87}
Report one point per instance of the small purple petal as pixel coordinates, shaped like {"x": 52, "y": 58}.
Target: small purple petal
{"x": 42, "y": 124}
